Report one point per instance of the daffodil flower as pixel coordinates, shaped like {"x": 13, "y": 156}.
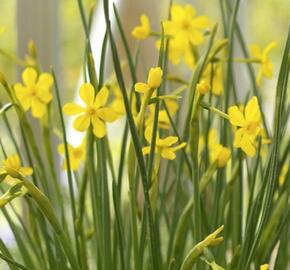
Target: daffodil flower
{"x": 247, "y": 124}
{"x": 262, "y": 56}
{"x": 216, "y": 76}
{"x": 163, "y": 146}
{"x": 153, "y": 81}
{"x": 183, "y": 23}
{"x": 35, "y": 93}
{"x": 76, "y": 155}
{"x": 143, "y": 30}
{"x": 12, "y": 167}
{"x": 93, "y": 113}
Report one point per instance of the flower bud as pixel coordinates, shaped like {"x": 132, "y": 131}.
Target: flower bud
{"x": 203, "y": 87}
{"x": 154, "y": 77}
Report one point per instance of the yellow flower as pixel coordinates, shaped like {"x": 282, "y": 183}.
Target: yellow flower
{"x": 283, "y": 174}
{"x": 142, "y": 31}
{"x": 247, "y": 124}
{"x": 264, "y": 267}
{"x": 217, "y": 152}
{"x": 94, "y": 111}
{"x": 184, "y": 24}
{"x": 153, "y": 81}
{"x": 217, "y": 78}
{"x": 203, "y": 87}
{"x": 76, "y": 155}
{"x": 35, "y": 93}
{"x": 163, "y": 146}
{"x": 163, "y": 119}
{"x": 118, "y": 102}
{"x": 179, "y": 49}
{"x": 12, "y": 167}
{"x": 262, "y": 56}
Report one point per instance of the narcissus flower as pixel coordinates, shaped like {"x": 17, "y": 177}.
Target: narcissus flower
{"x": 183, "y": 23}
{"x": 94, "y": 113}
{"x": 153, "y": 81}
{"x": 143, "y": 30}
{"x": 247, "y": 124}
{"x": 12, "y": 168}
{"x": 76, "y": 155}
{"x": 216, "y": 77}
{"x": 262, "y": 56}
{"x": 163, "y": 146}
{"x": 264, "y": 267}
{"x": 35, "y": 93}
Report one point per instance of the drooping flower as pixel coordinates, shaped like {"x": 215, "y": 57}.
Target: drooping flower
{"x": 217, "y": 152}
{"x": 76, "y": 155}
{"x": 12, "y": 167}
{"x": 247, "y": 124}
{"x": 143, "y": 30}
{"x": 94, "y": 112}
{"x": 266, "y": 68}
{"x": 163, "y": 146}
{"x": 35, "y": 93}
{"x": 153, "y": 81}
{"x": 184, "y": 24}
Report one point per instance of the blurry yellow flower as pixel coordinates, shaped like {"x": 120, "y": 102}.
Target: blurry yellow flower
{"x": 163, "y": 119}
{"x": 35, "y": 93}
{"x": 264, "y": 267}
{"x": 220, "y": 155}
{"x": 179, "y": 49}
{"x": 118, "y": 102}
{"x": 217, "y": 78}
{"x": 94, "y": 111}
{"x": 247, "y": 124}
{"x": 262, "y": 56}
{"x": 142, "y": 31}
{"x": 283, "y": 174}
{"x": 153, "y": 81}
{"x": 76, "y": 155}
{"x": 217, "y": 152}
{"x": 163, "y": 146}
{"x": 203, "y": 87}
{"x": 12, "y": 167}
{"x": 184, "y": 24}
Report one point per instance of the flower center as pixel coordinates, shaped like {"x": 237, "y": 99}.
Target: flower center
{"x": 91, "y": 111}
{"x": 251, "y": 127}
{"x": 185, "y": 24}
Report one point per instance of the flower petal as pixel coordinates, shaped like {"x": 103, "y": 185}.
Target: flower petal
{"x": 72, "y": 109}
{"x": 236, "y": 117}
{"x": 101, "y": 97}
{"x": 146, "y": 150}
{"x": 256, "y": 51}
{"x": 26, "y": 171}
{"x": 82, "y": 122}
{"x": 87, "y": 93}
{"x": 167, "y": 153}
{"x": 38, "y": 108}
{"x": 45, "y": 80}
{"x": 99, "y": 128}
{"x": 252, "y": 110}
{"x": 247, "y": 146}
{"x": 29, "y": 76}
{"x": 141, "y": 87}
{"x": 238, "y": 137}
{"x": 168, "y": 141}
{"x": 107, "y": 114}
{"x": 200, "y": 22}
